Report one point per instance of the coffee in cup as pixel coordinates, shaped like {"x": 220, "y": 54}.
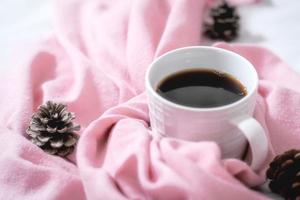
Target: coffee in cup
{"x": 202, "y": 93}
{"x": 202, "y": 88}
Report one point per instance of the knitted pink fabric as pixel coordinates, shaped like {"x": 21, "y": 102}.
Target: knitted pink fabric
{"x": 96, "y": 63}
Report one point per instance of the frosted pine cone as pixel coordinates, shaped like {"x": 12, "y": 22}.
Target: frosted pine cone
{"x": 51, "y": 128}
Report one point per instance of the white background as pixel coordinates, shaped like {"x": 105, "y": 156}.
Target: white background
{"x": 273, "y": 23}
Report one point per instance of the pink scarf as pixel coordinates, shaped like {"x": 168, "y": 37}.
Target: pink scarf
{"x": 96, "y": 63}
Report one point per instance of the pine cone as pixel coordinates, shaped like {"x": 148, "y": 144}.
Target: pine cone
{"x": 51, "y": 128}
{"x": 284, "y": 173}
{"x": 225, "y": 23}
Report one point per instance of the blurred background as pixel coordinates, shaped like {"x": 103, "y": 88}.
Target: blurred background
{"x": 272, "y": 23}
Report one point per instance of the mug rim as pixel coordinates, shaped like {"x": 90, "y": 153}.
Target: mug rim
{"x": 189, "y": 108}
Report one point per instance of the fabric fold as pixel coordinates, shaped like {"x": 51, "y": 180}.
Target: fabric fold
{"x": 96, "y": 62}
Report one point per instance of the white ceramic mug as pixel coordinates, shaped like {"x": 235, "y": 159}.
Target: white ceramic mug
{"x": 231, "y": 126}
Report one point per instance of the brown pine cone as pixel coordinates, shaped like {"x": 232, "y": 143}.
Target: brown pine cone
{"x": 225, "y": 23}
{"x": 284, "y": 173}
{"x": 51, "y": 128}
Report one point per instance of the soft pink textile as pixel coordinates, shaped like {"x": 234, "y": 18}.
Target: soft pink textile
{"x": 96, "y": 63}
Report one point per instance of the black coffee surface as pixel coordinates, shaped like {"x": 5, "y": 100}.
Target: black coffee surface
{"x": 201, "y": 88}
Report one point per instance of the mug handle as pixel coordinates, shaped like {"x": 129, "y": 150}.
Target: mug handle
{"x": 256, "y": 137}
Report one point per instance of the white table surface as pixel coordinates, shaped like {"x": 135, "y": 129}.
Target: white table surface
{"x": 272, "y": 23}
